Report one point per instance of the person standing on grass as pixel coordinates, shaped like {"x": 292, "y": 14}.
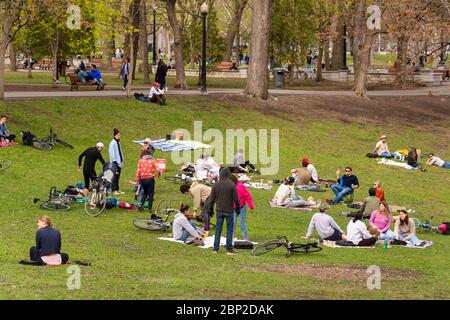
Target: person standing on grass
{"x": 116, "y": 157}
{"x": 48, "y": 244}
{"x": 145, "y": 178}
{"x": 245, "y": 198}
{"x": 325, "y": 225}
{"x": 91, "y": 156}
{"x": 224, "y": 195}
{"x": 125, "y": 72}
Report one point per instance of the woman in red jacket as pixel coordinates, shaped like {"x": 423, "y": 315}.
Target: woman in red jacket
{"x": 145, "y": 177}
{"x": 245, "y": 198}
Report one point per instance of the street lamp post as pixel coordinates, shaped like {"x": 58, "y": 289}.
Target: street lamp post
{"x": 204, "y": 10}
{"x": 154, "y": 35}
{"x": 344, "y": 48}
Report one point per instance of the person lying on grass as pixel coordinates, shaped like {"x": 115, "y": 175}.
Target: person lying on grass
{"x": 381, "y": 220}
{"x": 286, "y": 197}
{"x": 183, "y": 228}
{"x": 405, "y": 230}
{"x": 438, "y": 162}
{"x": 48, "y": 244}
{"x": 325, "y": 225}
{"x": 345, "y": 186}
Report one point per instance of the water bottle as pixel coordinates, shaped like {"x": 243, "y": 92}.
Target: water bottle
{"x": 385, "y": 244}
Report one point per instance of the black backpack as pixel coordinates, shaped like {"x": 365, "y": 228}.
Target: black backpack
{"x": 28, "y": 138}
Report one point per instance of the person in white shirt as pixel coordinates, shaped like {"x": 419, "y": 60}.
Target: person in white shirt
{"x": 357, "y": 234}
{"x": 382, "y": 149}
{"x": 438, "y": 162}
{"x": 306, "y": 163}
{"x": 156, "y": 94}
{"x": 182, "y": 227}
{"x": 286, "y": 197}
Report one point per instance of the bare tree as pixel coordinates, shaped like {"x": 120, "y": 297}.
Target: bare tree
{"x": 234, "y": 25}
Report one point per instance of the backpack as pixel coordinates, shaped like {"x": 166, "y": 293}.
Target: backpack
{"x": 28, "y": 138}
{"x": 372, "y": 155}
{"x": 243, "y": 244}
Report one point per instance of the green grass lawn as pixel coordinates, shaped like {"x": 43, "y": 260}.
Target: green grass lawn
{"x": 132, "y": 264}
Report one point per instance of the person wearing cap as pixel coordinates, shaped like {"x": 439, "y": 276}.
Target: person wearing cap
{"x": 382, "y": 149}
{"x": 306, "y": 163}
{"x": 156, "y": 94}
{"x": 325, "y": 225}
{"x": 116, "y": 157}
{"x": 147, "y": 146}
{"x": 438, "y": 162}
{"x": 90, "y": 155}
{"x": 286, "y": 197}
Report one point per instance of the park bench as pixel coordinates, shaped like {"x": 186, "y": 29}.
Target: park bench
{"x": 444, "y": 72}
{"x": 74, "y": 82}
{"x": 225, "y": 65}
{"x": 45, "y": 65}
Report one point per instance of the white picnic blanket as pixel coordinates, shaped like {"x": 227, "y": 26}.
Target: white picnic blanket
{"x": 306, "y": 208}
{"x": 258, "y": 185}
{"x": 332, "y": 244}
{"x": 209, "y": 242}
{"x": 175, "y": 145}
{"x": 389, "y": 162}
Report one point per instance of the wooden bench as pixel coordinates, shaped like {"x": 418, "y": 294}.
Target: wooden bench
{"x": 225, "y": 65}
{"x": 45, "y": 65}
{"x": 444, "y": 72}
{"x": 74, "y": 82}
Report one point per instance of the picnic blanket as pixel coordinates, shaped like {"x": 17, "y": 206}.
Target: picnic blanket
{"x": 175, "y": 145}
{"x": 395, "y": 163}
{"x": 6, "y": 144}
{"x": 332, "y": 244}
{"x": 209, "y": 242}
{"x": 310, "y": 188}
{"x": 258, "y": 185}
{"x": 306, "y": 208}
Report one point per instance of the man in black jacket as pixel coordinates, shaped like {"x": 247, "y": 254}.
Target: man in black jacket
{"x": 225, "y": 197}
{"x": 91, "y": 156}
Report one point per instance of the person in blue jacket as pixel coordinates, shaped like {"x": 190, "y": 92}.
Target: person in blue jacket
{"x": 96, "y": 76}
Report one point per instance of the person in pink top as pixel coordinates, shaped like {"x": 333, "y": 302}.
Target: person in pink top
{"x": 245, "y": 198}
{"x": 381, "y": 220}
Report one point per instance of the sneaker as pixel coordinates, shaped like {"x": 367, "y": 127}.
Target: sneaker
{"x": 422, "y": 244}
{"x": 215, "y": 251}
{"x": 231, "y": 252}
{"x": 140, "y": 208}
{"x": 329, "y": 201}
{"x": 116, "y": 193}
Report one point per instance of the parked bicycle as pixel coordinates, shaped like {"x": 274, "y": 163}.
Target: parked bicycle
{"x": 56, "y": 201}
{"x": 309, "y": 73}
{"x": 159, "y": 220}
{"x": 49, "y": 142}
{"x": 95, "y": 201}
{"x": 427, "y": 225}
{"x": 291, "y": 247}
{"x": 5, "y": 165}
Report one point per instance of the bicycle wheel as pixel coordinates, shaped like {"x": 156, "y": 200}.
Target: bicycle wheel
{"x": 64, "y": 143}
{"x": 305, "y": 248}
{"x": 55, "y": 206}
{"x": 266, "y": 247}
{"x": 95, "y": 203}
{"x": 417, "y": 222}
{"x": 5, "y": 164}
{"x": 151, "y": 225}
{"x": 163, "y": 208}
{"x": 172, "y": 178}
{"x": 42, "y": 145}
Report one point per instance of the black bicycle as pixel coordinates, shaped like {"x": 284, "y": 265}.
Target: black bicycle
{"x": 291, "y": 247}
{"x": 95, "y": 201}
{"x": 159, "y": 220}
{"x": 49, "y": 142}
{"x": 56, "y": 201}
{"x": 5, "y": 165}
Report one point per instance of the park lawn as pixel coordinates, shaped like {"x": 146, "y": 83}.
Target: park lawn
{"x": 132, "y": 264}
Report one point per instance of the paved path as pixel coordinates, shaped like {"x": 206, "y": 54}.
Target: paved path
{"x": 437, "y": 91}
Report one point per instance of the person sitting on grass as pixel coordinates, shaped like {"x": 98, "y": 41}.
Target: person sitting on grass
{"x": 369, "y": 205}
{"x": 382, "y": 149}
{"x": 379, "y": 191}
{"x": 438, "y": 162}
{"x": 345, "y": 186}
{"x": 4, "y": 132}
{"x": 357, "y": 234}
{"x": 413, "y": 158}
{"x": 48, "y": 245}
{"x": 96, "y": 76}
{"x": 156, "y": 94}
{"x": 302, "y": 176}
{"x": 182, "y": 227}
{"x": 381, "y": 220}
{"x": 306, "y": 163}
{"x": 200, "y": 195}
{"x": 286, "y": 197}
{"x": 240, "y": 165}
{"x": 405, "y": 230}
{"x": 325, "y": 225}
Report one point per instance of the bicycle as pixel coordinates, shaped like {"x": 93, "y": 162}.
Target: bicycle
{"x": 95, "y": 201}
{"x": 48, "y": 143}
{"x": 180, "y": 178}
{"x": 291, "y": 247}
{"x": 155, "y": 222}
{"x": 56, "y": 201}
{"x": 427, "y": 225}
{"x": 5, "y": 165}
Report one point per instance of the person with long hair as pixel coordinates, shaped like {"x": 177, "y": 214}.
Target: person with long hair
{"x": 357, "y": 234}
{"x": 48, "y": 244}
{"x": 286, "y": 197}
{"x": 245, "y": 198}
{"x": 405, "y": 230}
{"x": 182, "y": 227}
{"x": 413, "y": 158}
{"x": 381, "y": 220}
{"x": 161, "y": 73}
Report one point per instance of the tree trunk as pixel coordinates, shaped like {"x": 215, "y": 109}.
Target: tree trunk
{"x": 144, "y": 45}
{"x": 55, "y": 50}
{"x": 181, "y": 82}
{"x": 30, "y": 73}
{"x": 12, "y": 58}
{"x": 135, "y": 18}
{"x": 234, "y": 26}
{"x": 2, "y": 71}
{"x": 257, "y": 86}
{"x": 326, "y": 51}
{"x": 320, "y": 59}
{"x": 338, "y": 52}
{"x": 402, "y": 56}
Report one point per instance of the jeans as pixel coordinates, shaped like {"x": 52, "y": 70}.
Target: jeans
{"x": 388, "y": 155}
{"x": 83, "y": 76}
{"x": 148, "y": 185}
{"x": 219, "y": 225}
{"x": 414, "y": 240}
{"x": 186, "y": 233}
{"x": 115, "y": 182}
{"x": 340, "y": 192}
{"x": 446, "y": 165}
{"x": 242, "y": 225}
{"x": 388, "y": 235}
